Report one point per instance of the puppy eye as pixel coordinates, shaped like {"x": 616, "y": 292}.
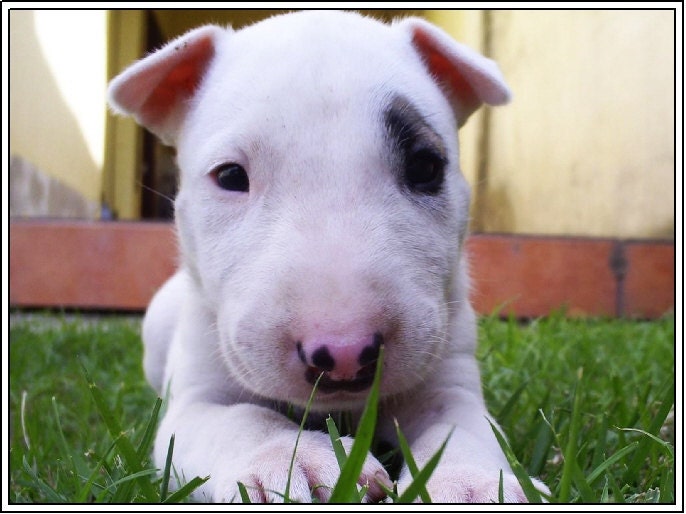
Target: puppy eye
{"x": 232, "y": 177}
{"x": 424, "y": 172}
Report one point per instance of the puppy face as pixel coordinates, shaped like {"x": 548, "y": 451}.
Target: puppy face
{"x": 321, "y": 207}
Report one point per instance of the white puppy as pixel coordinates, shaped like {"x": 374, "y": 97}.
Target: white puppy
{"x": 321, "y": 214}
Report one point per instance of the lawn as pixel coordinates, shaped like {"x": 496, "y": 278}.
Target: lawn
{"x": 587, "y": 406}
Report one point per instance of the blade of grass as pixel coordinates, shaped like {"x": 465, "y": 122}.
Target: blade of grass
{"x": 542, "y": 443}
{"x": 335, "y": 437}
{"x": 532, "y": 494}
{"x": 618, "y": 495}
{"x": 345, "y": 490}
{"x": 619, "y": 455}
{"x": 667, "y": 487}
{"x": 362, "y": 493}
{"x": 164, "y": 488}
{"x": 585, "y": 491}
{"x": 664, "y": 444}
{"x": 124, "y": 445}
{"x": 245, "y": 497}
{"x": 570, "y": 451}
{"x": 600, "y": 443}
{"x": 409, "y": 461}
{"x": 501, "y": 493}
{"x": 184, "y": 492}
{"x": 125, "y": 493}
{"x": 51, "y": 495}
{"x": 145, "y": 445}
{"x": 22, "y": 413}
{"x": 505, "y": 412}
{"x": 77, "y": 464}
{"x": 642, "y": 400}
{"x": 667, "y": 399}
{"x": 131, "y": 477}
{"x": 286, "y": 494}
{"x": 87, "y": 489}
{"x": 419, "y": 481}
{"x": 605, "y": 495}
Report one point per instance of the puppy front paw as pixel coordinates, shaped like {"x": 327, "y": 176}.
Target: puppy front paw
{"x": 472, "y": 485}
{"x": 315, "y": 470}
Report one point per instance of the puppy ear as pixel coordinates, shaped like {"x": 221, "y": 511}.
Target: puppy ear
{"x": 469, "y": 78}
{"x": 156, "y": 89}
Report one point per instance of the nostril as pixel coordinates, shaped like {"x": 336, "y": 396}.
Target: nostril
{"x": 370, "y": 354}
{"x": 322, "y": 359}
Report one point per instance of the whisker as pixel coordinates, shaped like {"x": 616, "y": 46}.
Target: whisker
{"x": 156, "y": 192}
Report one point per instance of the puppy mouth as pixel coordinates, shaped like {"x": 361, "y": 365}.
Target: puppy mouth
{"x": 362, "y": 381}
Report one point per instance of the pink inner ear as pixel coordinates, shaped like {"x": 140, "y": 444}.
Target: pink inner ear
{"x": 446, "y": 72}
{"x": 179, "y": 84}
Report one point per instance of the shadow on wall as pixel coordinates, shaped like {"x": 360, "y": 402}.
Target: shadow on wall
{"x": 34, "y": 194}
{"x": 492, "y": 210}
{"x": 45, "y": 136}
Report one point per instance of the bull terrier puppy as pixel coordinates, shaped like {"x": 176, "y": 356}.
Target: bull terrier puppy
{"x": 321, "y": 215}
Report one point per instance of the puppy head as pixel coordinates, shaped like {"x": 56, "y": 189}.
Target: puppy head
{"x": 321, "y": 210}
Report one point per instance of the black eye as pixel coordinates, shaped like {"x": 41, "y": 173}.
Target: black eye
{"x": 232, "y": 177}
{"x": 424, "y": 171}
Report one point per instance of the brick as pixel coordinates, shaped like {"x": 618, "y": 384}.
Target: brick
{"x": 89, "y": 265}
{"x": 649, "y": 285}
{"x": 533, "y": 276}
{"x": 120, "y": 265}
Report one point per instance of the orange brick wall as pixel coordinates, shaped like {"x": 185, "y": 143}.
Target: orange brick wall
{"x": 119, "y": 266}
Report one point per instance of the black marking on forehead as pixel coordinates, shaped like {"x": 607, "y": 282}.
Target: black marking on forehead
{"x": 408, "y": 130}
{"x": 417, "y": 152}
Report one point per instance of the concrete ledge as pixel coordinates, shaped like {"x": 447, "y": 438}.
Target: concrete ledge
{"x": 119, "y": 266}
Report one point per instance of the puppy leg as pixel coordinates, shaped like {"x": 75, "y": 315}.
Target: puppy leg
{"x": 254, "y": 446}
{"x": 469, "y": 470}
{"x": 159, "y": 325}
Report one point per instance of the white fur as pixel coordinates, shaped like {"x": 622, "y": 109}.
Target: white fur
{"x": 325, "y": 247}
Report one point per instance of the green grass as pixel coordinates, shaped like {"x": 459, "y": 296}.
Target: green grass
{"x": 573, "y": 396}
{"x": 585, "y": 405}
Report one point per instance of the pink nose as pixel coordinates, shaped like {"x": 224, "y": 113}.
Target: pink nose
{"x": 347, "y": 363}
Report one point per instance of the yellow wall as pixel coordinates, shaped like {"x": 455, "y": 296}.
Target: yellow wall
{"x": 124, "y": 142}
{"x": 57, "y": 102}
{"x": 587, "y": 146}
{"x": 176, "y": 22}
